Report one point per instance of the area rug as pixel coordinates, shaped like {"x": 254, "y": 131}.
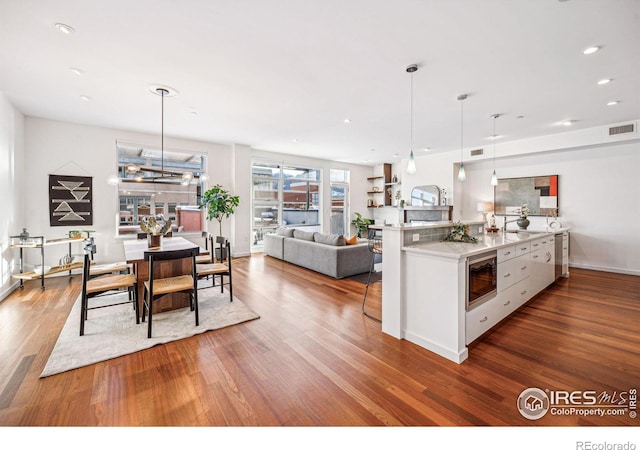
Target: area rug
{"x": 112, "y": 332}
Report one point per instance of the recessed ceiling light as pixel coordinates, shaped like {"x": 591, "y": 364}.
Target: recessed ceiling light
{"x": 613, "y": 103}
{"x": 295, "y": 140}
{"x": 605, "y": 81}
{"x": 395, "y": 155}
{"x": 64, "y": 28}
{"x": 494, "y": 137}
{"x": 567, "y": 123}
{"x": 76, "y": 70}
{"x": 194, "y": 113}
{"x": 591, "y": 50}
{"x": 86, "y": 98}
{"x": 347, "y": 120}
{"x": 426, "y": 149}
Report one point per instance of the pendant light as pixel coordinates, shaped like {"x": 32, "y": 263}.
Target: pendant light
{"x": 461, "y": 172}
{"x": 494, "y": 177}
{"x": 162, "y": 92}
{"x": 411, "y": 166}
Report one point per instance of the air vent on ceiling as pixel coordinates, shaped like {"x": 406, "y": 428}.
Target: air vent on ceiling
{"x": 477, "y": 152}
{"x": 621, "y": 129}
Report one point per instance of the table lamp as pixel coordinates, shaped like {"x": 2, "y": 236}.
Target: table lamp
{"x": 484, "y": 208}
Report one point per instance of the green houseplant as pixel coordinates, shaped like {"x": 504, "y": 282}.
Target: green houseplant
{"x": 219, "y": 203}
{"x": 361, "y": 224}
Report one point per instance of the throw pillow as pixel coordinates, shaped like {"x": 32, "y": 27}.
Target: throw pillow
{"x": 305, "y": 235}
{"x": 286, "y": 232}
{"x": 353, "y": 240}
{"x": 329, "y": 239}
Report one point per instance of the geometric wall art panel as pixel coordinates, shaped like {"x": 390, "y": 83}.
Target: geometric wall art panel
{"x": 70, "y": 200}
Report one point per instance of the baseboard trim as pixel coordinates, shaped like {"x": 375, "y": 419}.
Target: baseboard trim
{"x": 10, "y": 288}
{"x": 605, "y": 269}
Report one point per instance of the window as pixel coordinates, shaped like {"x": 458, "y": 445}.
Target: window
{"x": 159, "y": 182}
{"x": 284, "y": 195}
{"x": 339, "y": 201}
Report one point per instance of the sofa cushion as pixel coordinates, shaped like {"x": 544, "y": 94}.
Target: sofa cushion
{"x": 286, "y": 232}
{"x": 353, "y": 240}
{"x": 304, "y": 235}
{"x": 329, "y": 239}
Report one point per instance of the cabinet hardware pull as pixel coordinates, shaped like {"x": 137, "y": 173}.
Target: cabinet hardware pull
{"x": 523, "y": 248}
{"x": 508, "y": 303}
{"x": 507, "y": 274}
{"x": 484, "y": 319}
{"x": 507, "y": 253}
{"x": 535, "y": 256}
{"x": 523, "y": 292}
{"x": 523, "y": 267}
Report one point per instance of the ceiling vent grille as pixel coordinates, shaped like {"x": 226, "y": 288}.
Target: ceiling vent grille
{"x": 621, "y": 129}
{"x": 477, "y": 152}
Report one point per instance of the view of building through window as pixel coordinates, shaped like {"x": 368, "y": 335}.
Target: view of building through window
{"x": 284, "y": 195}
{"x": 155, "y": 182}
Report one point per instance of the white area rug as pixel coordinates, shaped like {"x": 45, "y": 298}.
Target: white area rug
{"x": 112, "y": 332}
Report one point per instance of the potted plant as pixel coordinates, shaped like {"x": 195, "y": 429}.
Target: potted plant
{"x": 219, "y": 203}
{"x": 361, "y": 224}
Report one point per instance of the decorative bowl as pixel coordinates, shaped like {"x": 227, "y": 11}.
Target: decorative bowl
{"x": 39, "y": 270}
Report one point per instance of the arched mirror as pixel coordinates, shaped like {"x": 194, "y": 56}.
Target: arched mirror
{"x": 425, "y": 195}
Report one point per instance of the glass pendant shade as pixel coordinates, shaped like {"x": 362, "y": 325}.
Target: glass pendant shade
{"x": 494, "y": 179}
{"x": 411, "y": 166}
{"x": 462, "y": 175}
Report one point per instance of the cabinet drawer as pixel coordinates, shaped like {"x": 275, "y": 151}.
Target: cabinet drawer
{"x": 506, "y": 253}
{"x": 523, "y": 267}
{"x": 507, "y": 274}
{"x": 523, "y": 248}
{"x": 481, "y": 318}
{"x": 536, "y": 244}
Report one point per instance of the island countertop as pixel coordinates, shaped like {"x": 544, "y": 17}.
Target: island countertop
{"x": 486, "y": 242}
{"x": 421, "y": 225}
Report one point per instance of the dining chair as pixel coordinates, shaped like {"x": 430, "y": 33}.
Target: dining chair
{"x": 156, "y": 286}
{"x": 104, "y": 285}
{"x": 374, "y": 241}
{"x": 221, "y": 268}
{"x": 207, "y": 257}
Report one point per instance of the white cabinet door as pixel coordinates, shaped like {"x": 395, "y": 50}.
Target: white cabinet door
{"x": 507, "y": 274}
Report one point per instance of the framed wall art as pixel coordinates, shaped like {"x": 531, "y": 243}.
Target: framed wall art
{"x": 539, "y": 193}
{"x": 70, "y": 200}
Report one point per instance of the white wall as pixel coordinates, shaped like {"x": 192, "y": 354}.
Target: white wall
{"x": 12, "y": 182}
{"x": 62, "y": 148}
{"x": 599, "y": 196}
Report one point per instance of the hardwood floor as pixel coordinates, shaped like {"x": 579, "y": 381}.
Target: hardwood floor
{"x": 314, "y": 359}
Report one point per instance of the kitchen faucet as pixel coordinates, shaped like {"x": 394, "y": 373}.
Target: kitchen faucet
{"x": 504, "y": 225}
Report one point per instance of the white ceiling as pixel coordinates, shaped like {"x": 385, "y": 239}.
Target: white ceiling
{"x": 264, "y": 73}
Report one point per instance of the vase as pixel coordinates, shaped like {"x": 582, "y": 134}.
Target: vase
{"x": 154, "y": 240}
{"x": 523, "y": 223}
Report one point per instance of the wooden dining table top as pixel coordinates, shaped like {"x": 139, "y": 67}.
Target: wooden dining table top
{"x": 134, "y": 249}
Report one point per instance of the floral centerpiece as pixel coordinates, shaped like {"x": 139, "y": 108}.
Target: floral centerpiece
{"x": 155, "y": 227}
{"x": 460, "y": 233}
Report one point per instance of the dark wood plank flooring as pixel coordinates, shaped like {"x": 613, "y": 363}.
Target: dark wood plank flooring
{"x": 313, "y": 359}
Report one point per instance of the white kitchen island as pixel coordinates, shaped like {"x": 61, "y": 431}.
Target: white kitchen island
{"x": 424, "y": 282}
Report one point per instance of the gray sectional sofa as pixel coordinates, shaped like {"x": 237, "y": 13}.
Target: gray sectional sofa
{"x": 324, "y": 253}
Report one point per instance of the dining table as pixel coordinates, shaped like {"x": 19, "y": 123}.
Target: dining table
{"x": 134, "y": 251}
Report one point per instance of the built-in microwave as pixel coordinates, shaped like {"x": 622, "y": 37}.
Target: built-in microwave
{"x": 482, "y": 278}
